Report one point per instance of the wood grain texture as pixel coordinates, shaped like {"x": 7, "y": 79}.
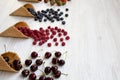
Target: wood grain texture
{"x": 94, "y": 48}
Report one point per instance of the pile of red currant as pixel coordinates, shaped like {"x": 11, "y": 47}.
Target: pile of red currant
{"x": 41, "y": 36}
{"x": 49, "y": 72}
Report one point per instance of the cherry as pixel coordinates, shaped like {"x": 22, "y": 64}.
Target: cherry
{"x": 57, "y": 74}
{"x": 32, "y": 76}
{"x": 34, "y": 68}
{"x": 34, "y": 54}
{"x": 25, "y": 72}
{"x": 57, "y": 54}
{"x": 54, "y": 68}
{"x": 39, "y": 62}
{"x": 61, "y": 62}
{"x": 15, "y": 62}
{"x": 42, "y": 77}
{"x": 6, "y": 59}
{"x": 48, "y": 55}
{"x": 49, "y": 78}
{"x": 54, "y": 60}
{"x": 18, "y": 67}
{"x": 47, "y": 70}
{"x": 28, "y": 62}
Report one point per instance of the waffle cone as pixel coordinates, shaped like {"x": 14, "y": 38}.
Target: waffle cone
{"x": 14, "y": 32}
{"x": 4, "y": 65}
{"x": 30, "y": 0}
{"x": 22, "y": 11}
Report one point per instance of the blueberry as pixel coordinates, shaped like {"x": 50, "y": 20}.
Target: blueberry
{"x": 66, "y": 15}
{"x": 58, "y": 9}
{"x": 45, "y": 20}
{"x": 61, "y": 18}
{"x": 66, "y": 9}
{"x": 63, "y": 22}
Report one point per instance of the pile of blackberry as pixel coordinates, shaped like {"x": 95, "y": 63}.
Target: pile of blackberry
{"x": 54, "y": 69}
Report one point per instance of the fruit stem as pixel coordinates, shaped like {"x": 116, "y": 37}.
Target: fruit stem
{"x": 5, "y": 47}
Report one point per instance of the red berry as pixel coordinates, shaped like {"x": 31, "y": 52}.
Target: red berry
{"x": 51, "y": 36}
{"x": 64, "y": 0}
{"x": 56, "y": 44}
{"x": 61, "y": 39}
{"x": 53, "y": 32}
{"x": 59, "y": 30}
{"x": 56, "y": 28}
{"x": 34, "y": 42}
{"x": 65, "y": 33}
{"x": 55, "y": 39}
{"x": 59, "y": 34}
{"x": 67, "y": 37}
{"x": 49, "y": 44}
{"x": 63, "y": 43}
{"x": 49, "y": 27}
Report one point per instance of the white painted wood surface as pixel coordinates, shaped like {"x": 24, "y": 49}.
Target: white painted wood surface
{"x": 94, "y": 48}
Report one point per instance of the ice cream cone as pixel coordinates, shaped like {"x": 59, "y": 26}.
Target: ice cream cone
{"x": 22, "y": 11}
{"x": 4, "y": 66}
{"x": 14, "y": 32}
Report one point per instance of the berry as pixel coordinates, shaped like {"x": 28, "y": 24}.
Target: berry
{"x": 67, "y": 8}
{"x": 55, "y": 39}
{"x": 63, "y": 22}
{"x": 18, "y": 67}
{"x": 39, "y": 62}
{"x": 61, "y": 62}
{"x": 28, "y": 62}
{"x": 56, "y": 43}
{"x": 66, "y": 15}
{"x": 25, "y": 72}
{"x": 65, "y": 33}
{"x": 47, "y": 70}
{"x": 16, "y": 62}
{"x": 6, "y": 59}
{"x": 49, "y": 44}
{"x": 49, "y": 78}
{"x": 42, "y": 77}
{"x": 67, "y": 37}
{"x": 32, "y": 76}
{"x": 57, "y": 54}
{"x": 54, "y": 69}
{"x": 57, "y": 74}
{"x": 34, "y": 54}
{"x": 34, "y": 68}
{"x": 59, "y": 34}
{"x": 54, "y": 60}
{"x": 63, "y": 43}
{"x": 48, "y": 55}
{"x": 61, "y": 39}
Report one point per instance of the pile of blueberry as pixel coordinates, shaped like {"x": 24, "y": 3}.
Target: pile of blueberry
{"x": 59, "y": 36}
{"x": 16, "y": 64}
{"x": 55, "y": 72}
{"x": 49, "y": 15}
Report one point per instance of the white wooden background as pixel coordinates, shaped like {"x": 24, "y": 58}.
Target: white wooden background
{"x": 94, "y": 48}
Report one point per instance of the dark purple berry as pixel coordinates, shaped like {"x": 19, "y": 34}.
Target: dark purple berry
{"x": 32, "y": 76}
{"x": 54, "y": 60}
{"x": 39, "y": 62}
{"x": 47, "y": 70}
{"x": 34, "y": 54}
{"x": 6, "y": 59}
{"x": 48, "y": 55}
{"x": 15, "y": 62}
{"x": 28, "y": 62}
{"x": 61, "y": 62}
{"x": 34, "y": 68}
{"x": 57, "y": 74}
{"x": 18, "y": 67}
{"x": 54, "y": 69}
{"x": 42, "y": 77}
{"x": 49, "y": 78}
{"x": 25, "y": 72}
{"x": 57, "y": 54}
